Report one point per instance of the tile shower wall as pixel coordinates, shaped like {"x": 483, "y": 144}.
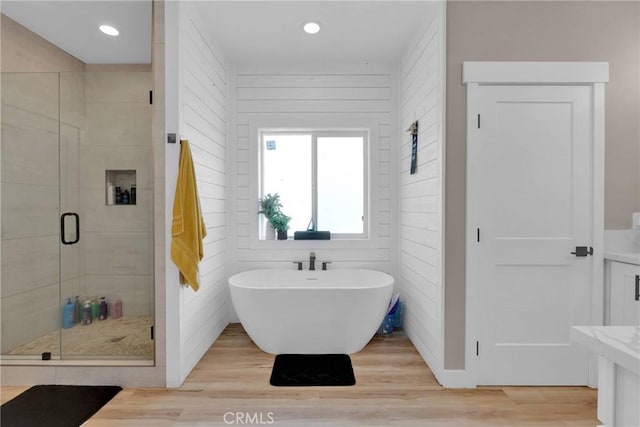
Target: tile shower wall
{"x": 314, "y": 92}
{"x": 32, "y": 119}
{"x": 420, "y": 195}
{"x": 117, "y": 241}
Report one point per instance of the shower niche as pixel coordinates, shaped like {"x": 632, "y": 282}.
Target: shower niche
{"x": 120, "y": 187}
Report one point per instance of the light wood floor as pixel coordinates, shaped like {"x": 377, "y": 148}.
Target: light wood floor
{"x": 394, "y": 387}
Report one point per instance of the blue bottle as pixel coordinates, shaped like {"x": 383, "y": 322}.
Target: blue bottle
{"x": 77, "y": 311}
{"x": 67, "y": 314}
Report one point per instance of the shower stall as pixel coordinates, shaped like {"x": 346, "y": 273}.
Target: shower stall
{"x": 76, "y": 216}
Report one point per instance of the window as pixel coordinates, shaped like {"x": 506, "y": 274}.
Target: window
{"x": 320, "y": 177}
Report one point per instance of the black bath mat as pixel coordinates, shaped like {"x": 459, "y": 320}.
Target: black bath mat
{"x": 55, "y": 405}
{"x": 312, "y": 370}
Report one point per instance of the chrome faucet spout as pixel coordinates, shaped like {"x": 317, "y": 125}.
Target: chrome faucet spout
{"x": 312, "y": 261}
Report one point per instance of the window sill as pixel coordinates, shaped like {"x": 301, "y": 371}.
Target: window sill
{"x": 345, "y": 243}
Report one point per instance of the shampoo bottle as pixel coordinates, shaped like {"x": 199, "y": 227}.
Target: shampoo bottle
{"x": 95, "y": 308}
{"x": 103, "y": 308}
{"x": 133, "y": 195}
{"x": 86, "y": 313}
{"x": 67, "y": 314}
{"x": 117, "y": 309}
{"x": 77, "y": 311}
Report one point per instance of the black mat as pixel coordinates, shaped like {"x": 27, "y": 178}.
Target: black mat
{"x": 312, "y": 370}
{"x": 55, "y": 405}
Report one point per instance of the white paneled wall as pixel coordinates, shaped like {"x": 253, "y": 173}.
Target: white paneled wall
{"x": 220, "y": 110}
{"x": 420, "y": 196}
{"x": 325, "y": 96}
{"x": 203, "y": 121}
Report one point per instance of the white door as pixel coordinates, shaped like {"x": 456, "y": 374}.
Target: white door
{"x": 530, "y": 187}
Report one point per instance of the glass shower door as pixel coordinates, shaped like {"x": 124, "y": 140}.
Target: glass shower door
{"x": 72, "y": 246}
{"x": 76, "y": 215}
{"x": 105, "y": 177}
{"x": 30, "y": 205}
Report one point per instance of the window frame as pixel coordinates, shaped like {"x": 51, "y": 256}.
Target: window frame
{"x": 272, "y": 123}
{"x": 315, "y": 135}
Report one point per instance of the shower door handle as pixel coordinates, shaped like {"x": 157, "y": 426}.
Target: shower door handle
{"x": 62, "y": 234}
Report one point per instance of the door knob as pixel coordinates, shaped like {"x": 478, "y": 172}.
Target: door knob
{"x": 583, "y": 251}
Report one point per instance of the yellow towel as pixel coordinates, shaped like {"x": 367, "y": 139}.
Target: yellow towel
{"x": 187, "y": 228}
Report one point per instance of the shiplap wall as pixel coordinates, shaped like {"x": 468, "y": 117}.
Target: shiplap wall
{"x": 306, "y": 93}
{"x": 203, "y": 121}
{"x": 420, "y": 195}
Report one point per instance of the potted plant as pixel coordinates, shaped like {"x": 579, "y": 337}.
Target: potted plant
{"x": 280, "y": 223}
{"x": 269, "y": 206}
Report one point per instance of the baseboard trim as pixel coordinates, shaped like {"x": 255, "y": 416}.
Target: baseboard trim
{"x": 456, "y": 378}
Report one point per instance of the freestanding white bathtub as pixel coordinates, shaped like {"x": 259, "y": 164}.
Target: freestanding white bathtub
{"x": 311, "y": 312}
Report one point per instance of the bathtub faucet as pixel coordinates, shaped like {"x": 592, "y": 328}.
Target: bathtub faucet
{"x": 312, "y": 261}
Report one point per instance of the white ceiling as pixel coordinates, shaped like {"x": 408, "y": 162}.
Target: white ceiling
{"x": 73, "y": 26}
{"x": 265, "y": 32}
{"x": 270, "y": 32}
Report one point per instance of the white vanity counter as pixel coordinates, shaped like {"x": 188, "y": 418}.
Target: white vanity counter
{"x": 618, "y": 348}
{"x": 620, "y": 344}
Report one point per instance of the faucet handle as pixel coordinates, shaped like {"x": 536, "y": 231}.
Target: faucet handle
{"x": 299, "y": 264}
{"x": 324, "y": 264}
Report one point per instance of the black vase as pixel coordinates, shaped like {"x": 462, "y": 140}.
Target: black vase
{"x": 282, "y": 234}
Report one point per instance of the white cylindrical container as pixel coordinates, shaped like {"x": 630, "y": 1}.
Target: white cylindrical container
{"x": 111, "y": 195}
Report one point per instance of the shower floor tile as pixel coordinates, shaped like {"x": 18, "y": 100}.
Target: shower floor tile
{"x": 128, "y": 336}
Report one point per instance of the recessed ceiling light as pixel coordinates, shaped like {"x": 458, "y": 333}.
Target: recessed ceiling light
{"x": 108, "y": 29}
{"x": 311, "y": 27}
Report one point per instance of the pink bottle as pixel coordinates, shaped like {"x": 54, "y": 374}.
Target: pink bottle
{"x": 116, "y": 311}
